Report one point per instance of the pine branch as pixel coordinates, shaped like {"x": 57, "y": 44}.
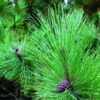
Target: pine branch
{"x": 73, "y": 34}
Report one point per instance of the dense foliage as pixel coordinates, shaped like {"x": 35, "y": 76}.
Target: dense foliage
{"x": 49, "y": 50}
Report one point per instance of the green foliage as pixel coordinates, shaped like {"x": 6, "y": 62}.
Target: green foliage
{"x": 6, "y": 11}
{"x": 13, "y": 18}
{"x": 13, "y": 67}
{"x": 37, "y": 57}
{"x": 69, "y": 32}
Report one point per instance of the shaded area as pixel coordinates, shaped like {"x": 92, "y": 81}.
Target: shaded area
{"x": 10, "y": 90}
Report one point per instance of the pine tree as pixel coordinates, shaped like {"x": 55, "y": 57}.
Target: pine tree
{"x": 52, "y": 56}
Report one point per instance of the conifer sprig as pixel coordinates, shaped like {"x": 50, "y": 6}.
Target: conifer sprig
{"x": 15, "y": 63}
{"x": 71, "y": 32}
